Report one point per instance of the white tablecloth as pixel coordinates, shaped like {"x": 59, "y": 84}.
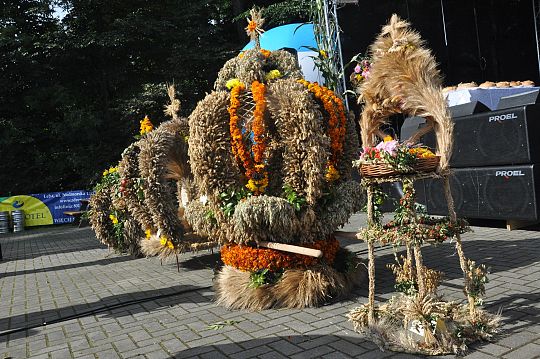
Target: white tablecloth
{"x": 488, "y": 96}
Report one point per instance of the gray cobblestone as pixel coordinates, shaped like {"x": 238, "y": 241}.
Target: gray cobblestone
{"x": 285, "y": 347}
{"x": 51, "y": 272}
{"x": 530, "y": 350}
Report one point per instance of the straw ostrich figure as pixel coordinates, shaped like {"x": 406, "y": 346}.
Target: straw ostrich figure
{"x": 404, "y": 79}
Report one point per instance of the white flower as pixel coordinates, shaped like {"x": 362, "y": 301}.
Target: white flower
{"x": 203, "y": 199}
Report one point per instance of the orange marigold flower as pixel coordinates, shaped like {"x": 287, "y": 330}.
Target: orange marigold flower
{"x": 265, "y": 52}
{"x": 252, "y": 25}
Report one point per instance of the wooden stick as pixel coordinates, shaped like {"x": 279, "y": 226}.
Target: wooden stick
{"x": 317, "y": 253}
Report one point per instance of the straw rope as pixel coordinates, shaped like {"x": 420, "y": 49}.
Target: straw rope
{"x": 371, "y": 258}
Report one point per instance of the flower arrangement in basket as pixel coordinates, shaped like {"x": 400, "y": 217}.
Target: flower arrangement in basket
{"x": 390, "y": 157}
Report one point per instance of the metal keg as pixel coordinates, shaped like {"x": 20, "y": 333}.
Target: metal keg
{"x": 18, "y": 220}
{"x": 4, "y": 222}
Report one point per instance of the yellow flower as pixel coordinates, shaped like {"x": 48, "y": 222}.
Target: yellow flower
{"x": 113, "y": 218}
{"x": 421, "y": 152}
{"x": 233, "y": 83}
{"x": 323, "y": 53}
{"x": 170, "y": 245}
{"x": 163, "y": 240}
{"x": 241, "y": 55}
{"x": 358, "y": 77}
{"x": 388, "y": 138}
{"x": 113, "y": 169}
{"x": 146, "y": 126}
{"x": 272, "y": 75}
{"x": 148, "y": 233}
{"x": 106, "y": 172}
{"x": 257, "y": 186}
{"x": 332, "y": 173}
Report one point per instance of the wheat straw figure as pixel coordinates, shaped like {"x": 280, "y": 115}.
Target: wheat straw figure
{"x": 404, "y": 79}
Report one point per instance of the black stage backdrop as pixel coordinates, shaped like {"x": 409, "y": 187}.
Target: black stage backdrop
{"x": 479, "y": 40}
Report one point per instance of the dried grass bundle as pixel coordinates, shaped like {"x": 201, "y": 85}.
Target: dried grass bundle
{"x": 159, "y": 148}
{"x": 265, "y": 218}
{"x": 200, "y": 218}
{"x": 129, "y": 171}
{"x": 213, "y": 165}
{"x": 345, "y": 199}
{"x": 286, "y": 63}
{"x": 173, "y": 108}
{"x": 251, "y": 66}
{"x": 309, "y": 288}
{"x": 152, "y": 247}
{"x": 350, "y": 149}
{"x": 447, "y": 326}
{"x": 133, "y": 234}
{"x": 233, "y": 291}
{"x": 227, "y": 72}
{"x": 305, "y": 144}
{"x": 100, "y": 204}
{"x": 297, "y": 288}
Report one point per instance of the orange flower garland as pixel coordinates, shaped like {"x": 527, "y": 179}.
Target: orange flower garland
{"x": 254, "y": 166}
{"x": 237, "y": 140}
{"x": 337, "y": 121}
{"x": 251, "y": 259}
{"x": 258, "y": 89}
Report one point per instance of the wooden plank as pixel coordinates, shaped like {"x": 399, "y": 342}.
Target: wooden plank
{"x": 73, "y": 213}
{"x": 317, "y": 253}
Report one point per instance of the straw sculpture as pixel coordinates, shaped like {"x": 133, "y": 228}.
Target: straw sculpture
{"x": 404, "y": 79}
{"x": 262, "y": 166}
{"x": 271, "y": 160}
{"x": 139, "y": 206}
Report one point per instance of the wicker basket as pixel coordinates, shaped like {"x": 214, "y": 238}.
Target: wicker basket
{"x": 384, "y": 170}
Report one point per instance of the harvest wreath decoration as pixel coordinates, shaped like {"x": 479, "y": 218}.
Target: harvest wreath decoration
{"x": 275, "y": 172}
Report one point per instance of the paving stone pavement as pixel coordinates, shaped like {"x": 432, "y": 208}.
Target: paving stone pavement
{"x": 98, "y": 304}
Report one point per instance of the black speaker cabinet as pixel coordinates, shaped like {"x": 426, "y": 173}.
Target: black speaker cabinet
{"x": 499, "y": 192}
{"x": 502, "y": 137}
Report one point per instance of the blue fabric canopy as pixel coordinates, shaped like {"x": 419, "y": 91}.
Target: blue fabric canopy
{"x": 297, "y": 36}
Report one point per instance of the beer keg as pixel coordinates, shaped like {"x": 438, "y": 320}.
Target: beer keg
{"x": 18, "y": 220}
{"x": 4, "y": 222}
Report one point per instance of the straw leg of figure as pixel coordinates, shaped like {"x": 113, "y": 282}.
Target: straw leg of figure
{"x": 371, "y": 257}
{"x": 419, "y": 269}
{"x": 459, "y": 247}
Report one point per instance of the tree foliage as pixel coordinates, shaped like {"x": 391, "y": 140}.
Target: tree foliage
{"x": 74, "y": 90}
